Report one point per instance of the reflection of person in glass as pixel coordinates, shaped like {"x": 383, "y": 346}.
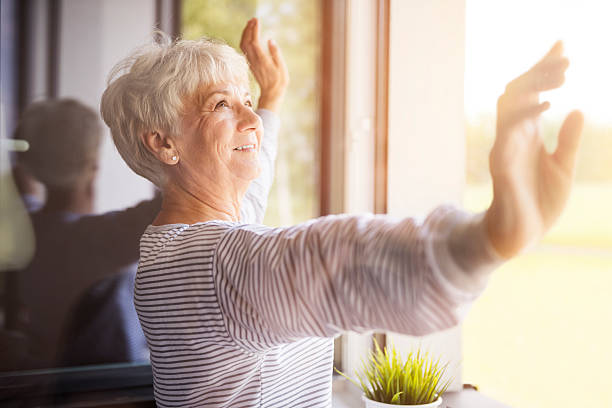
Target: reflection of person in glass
{"x": 78, "y": 286}
{"x": 240, "y": 314}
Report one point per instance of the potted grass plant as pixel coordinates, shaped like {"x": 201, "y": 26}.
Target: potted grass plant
{"x": 386, "y": 380}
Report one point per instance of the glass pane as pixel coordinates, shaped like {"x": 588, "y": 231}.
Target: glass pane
{"x": 295, "y": 25}
{"x": 67, "y": 301}
{"x": 540, "y": 335}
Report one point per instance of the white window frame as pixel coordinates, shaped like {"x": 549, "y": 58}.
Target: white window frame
{"x": 426, "y": 134}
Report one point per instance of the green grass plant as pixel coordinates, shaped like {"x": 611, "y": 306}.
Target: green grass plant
{"x": 386, "y": 378}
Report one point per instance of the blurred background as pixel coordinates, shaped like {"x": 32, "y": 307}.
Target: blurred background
{"x": 540, "y": 334}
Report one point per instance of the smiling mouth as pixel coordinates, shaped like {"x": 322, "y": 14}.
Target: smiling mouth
{"x": 245, "y": 148}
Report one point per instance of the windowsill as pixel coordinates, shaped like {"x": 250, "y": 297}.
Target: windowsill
{"x": 120, "y": 384}
{"x": 346, "y": 395}
{"x": 108, "y": 385}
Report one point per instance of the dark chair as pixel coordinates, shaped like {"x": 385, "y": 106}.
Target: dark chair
{"x": 103, "y": 327}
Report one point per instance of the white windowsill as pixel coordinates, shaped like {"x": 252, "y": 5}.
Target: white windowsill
{"x": 346, "y": 395}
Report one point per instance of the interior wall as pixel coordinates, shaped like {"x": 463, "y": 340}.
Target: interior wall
{"x": 426, "y": 114}
{"x": 94, "y": 36}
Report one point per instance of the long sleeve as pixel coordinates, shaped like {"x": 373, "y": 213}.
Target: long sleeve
{"x": 255, "y": 201}
{"x": 349, "y": 273}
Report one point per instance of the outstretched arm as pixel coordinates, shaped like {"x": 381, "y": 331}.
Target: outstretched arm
{"x": 272, "y": 76}
{"x": 345, "y": 272}
{"x": 530, "y": 185}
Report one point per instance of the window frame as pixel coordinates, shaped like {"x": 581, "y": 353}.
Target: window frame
{"x": 338, "y": 150}
{"x": 357, "y": 59}
{"x": 417, "y": 196}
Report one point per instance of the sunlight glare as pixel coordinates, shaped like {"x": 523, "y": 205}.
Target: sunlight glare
{"x": 503, "y": 39}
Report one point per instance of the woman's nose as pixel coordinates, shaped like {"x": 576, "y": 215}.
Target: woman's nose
{"x": 248, "y": 121}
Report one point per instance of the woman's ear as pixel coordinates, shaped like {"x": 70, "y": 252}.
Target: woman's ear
{"x": 162, "y": 146}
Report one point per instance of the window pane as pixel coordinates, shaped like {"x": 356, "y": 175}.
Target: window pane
{"x": 540, "y": 334}
{"x": 295, "y": 25}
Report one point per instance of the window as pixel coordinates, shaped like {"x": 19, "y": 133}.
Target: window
{"x": 65, "y": 50}
{"x": 88, "y": 39}
{"x": 310, "y": 174}
{"x": 540, "y": 335}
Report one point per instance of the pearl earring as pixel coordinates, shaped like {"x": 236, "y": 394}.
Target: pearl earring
{"x": 174, "y": 158}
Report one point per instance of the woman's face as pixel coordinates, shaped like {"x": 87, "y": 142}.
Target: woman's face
{"x": 221, "y": 137}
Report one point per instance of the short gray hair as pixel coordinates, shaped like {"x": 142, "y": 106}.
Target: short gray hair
{"x": 64, "y": 137}
{"x": 147, "y": 92}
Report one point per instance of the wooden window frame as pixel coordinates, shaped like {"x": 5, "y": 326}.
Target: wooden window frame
{"x": 346, "y": 128}
{"x": 168, "y": 15}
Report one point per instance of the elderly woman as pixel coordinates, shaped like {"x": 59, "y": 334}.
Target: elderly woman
{"x": 238, "y": 314}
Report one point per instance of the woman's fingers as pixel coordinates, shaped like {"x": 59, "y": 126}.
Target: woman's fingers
{"x": 547, "y": 74}
{"x": 246, "y": 35}
{"x": 551, "y": 64}
{"x": 544, "y": 76}
{"x": 255, "y": 31}
{"x": 276, "y": 54}
{"x": 526, "y": 113}
{"x": 569, "y": 139}
{"x": 249, "y": 43}
{"x": 262, "y": 64}
{"x": 555, "y": 51}
{"x": 554, "y": 59}
{"x": 268, "y": 66}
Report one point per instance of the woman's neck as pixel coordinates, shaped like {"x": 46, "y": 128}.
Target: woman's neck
{"x": 180, "y": 206}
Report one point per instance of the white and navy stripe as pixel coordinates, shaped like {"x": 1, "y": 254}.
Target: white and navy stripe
{"x": 241, "y": 315}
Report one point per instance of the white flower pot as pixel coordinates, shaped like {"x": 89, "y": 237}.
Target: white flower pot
{"x": 374, "y": 404}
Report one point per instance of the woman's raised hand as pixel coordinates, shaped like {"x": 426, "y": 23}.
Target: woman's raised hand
{"x": 530, "y": 186}
{"x": 269, "y": 68}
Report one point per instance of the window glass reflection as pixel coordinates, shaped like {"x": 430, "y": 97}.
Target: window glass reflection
{"x": 72, "y": 305}
{"x": 74, "y": 298}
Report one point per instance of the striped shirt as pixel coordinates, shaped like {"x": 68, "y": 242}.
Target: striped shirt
{"x": 243, "y": 315}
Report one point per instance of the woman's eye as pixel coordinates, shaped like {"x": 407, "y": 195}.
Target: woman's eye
{"x": 249, "y": 104}
{"x": 222, "y": 104}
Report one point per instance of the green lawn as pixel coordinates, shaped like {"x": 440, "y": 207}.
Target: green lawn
{"x": 540, "y": 335}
